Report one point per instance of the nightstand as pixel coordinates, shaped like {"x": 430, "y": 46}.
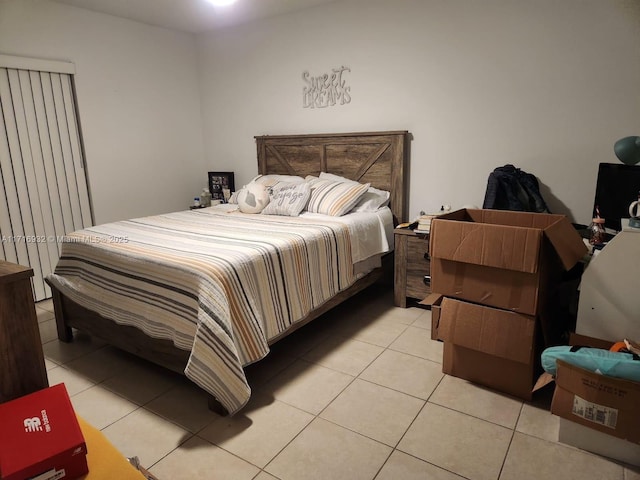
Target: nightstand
{"x": 21, "y": 358}
{"x": 412, "y": 269}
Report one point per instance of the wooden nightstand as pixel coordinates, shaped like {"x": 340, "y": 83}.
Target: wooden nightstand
{"x": 412, "y": 270}
{"x": 21, "y": 357}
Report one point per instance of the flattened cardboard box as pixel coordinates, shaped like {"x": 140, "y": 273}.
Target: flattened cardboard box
{"x": 499, "y": 258}
{"x": 489, "y": 346}
{"x": 40, "y": 437}
{"x": 609, "y": 405}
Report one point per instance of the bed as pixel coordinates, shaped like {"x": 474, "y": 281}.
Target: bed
{"x": 220, "y": 322}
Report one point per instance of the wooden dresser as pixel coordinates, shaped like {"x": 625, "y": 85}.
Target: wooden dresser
{"x": 22, "y": 368}
{"x": 412, "y": 273}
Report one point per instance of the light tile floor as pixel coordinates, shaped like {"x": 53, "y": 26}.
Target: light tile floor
{"x": 356, "y": 394}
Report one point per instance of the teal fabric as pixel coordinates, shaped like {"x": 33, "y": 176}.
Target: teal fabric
{"x": 612, "y": 364}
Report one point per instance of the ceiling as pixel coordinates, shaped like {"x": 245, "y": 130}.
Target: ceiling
{"x": 195, "y": 16}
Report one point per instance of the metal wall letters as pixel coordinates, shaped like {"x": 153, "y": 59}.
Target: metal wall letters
{"x": 326, "y": 90}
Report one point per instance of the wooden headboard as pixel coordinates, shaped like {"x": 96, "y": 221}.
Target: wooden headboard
{"x": 378, "y": 158}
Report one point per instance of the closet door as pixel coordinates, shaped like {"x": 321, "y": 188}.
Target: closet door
{"x": 44, "y": 192}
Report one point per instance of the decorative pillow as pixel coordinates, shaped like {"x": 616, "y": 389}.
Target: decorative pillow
{"x": 272, "y": 180}
{"x": 334, "y": 198}
{"x": 252, "y": 198}
{"x": 335, "y": 178}
{"x": 288, "y": 199}
{"x": 371, "y": 201}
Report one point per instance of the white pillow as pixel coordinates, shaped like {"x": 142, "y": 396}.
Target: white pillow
{"x": 288, "y": 199}
{"x": 335, "y": 178}
{"x": 371, "y": 201}
{"x": 272, "y": 180}
{"x": 334, "y": 198}
{"x": 252, "y": 198}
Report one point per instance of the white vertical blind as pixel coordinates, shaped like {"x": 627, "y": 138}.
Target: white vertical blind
{"x": 44, "y": 192}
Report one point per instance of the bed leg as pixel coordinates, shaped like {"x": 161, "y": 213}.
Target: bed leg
{"x": 216, "y": 407}
{"x": 64, "y": 332}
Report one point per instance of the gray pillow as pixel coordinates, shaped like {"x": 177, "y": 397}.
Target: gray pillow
{"x": 288, "y": 199}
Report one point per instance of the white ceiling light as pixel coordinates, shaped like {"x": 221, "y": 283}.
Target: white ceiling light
{"x": 221, "y": 3}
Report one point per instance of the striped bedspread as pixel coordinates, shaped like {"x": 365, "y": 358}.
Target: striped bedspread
{"x": 218, "y": 284}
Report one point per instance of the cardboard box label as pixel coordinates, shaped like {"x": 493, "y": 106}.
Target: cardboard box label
{"x": 52, "y": 474}
{"x": 595, "y": 413}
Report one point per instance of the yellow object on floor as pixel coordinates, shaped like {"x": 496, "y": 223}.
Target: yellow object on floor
{"x": 105, "y": 462}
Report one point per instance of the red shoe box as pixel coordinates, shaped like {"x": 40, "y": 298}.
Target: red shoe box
{"x": 40, "y": 437}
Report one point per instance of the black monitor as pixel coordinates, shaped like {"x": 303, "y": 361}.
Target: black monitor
{"x": 617, "y": 186}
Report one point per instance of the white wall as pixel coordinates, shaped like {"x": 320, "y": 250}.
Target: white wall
{"x": 546, "y": 85}
{"x": 137, "y": 90}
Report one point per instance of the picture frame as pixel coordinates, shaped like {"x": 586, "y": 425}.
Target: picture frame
{"x": 221, "y": 183}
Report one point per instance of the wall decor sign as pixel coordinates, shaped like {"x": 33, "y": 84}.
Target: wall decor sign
{"x": 326, "y": 90}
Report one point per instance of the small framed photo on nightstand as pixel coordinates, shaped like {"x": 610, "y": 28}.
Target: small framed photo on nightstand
{"x": 221, "y": 184}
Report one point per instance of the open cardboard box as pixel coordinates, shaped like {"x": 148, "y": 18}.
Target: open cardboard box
{"x": 489, "y": 346}
{"x": 502, "y": 259}
{"x": 606, "y": 404}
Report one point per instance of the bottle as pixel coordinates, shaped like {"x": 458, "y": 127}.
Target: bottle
{"x": 597, "y": 234}
{"x": 205, "y": 197}
{"x": 196, "y": 202}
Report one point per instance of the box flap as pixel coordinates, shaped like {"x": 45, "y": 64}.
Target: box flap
{"x": 489, "y": 330}
{"x": 544, "y": 379}
{"x": 566, "y": 242}
{"x": 540, "y": 221}
{"x": 586, "y": 341}
{"x": 556, "y": 228}
{"x": 431, "y": 299}
{"x": 500, "y": 246}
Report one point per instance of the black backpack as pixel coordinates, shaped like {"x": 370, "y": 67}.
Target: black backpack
{"x": 510, "y": 188}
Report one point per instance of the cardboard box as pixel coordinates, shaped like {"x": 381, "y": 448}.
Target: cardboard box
{"x": 40, "y": 437}
{"x": 503, "y": 259}
{"x": 491, "y": 347}
{"x": 606, "y": 404}
{"x": 586, "y": 424}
